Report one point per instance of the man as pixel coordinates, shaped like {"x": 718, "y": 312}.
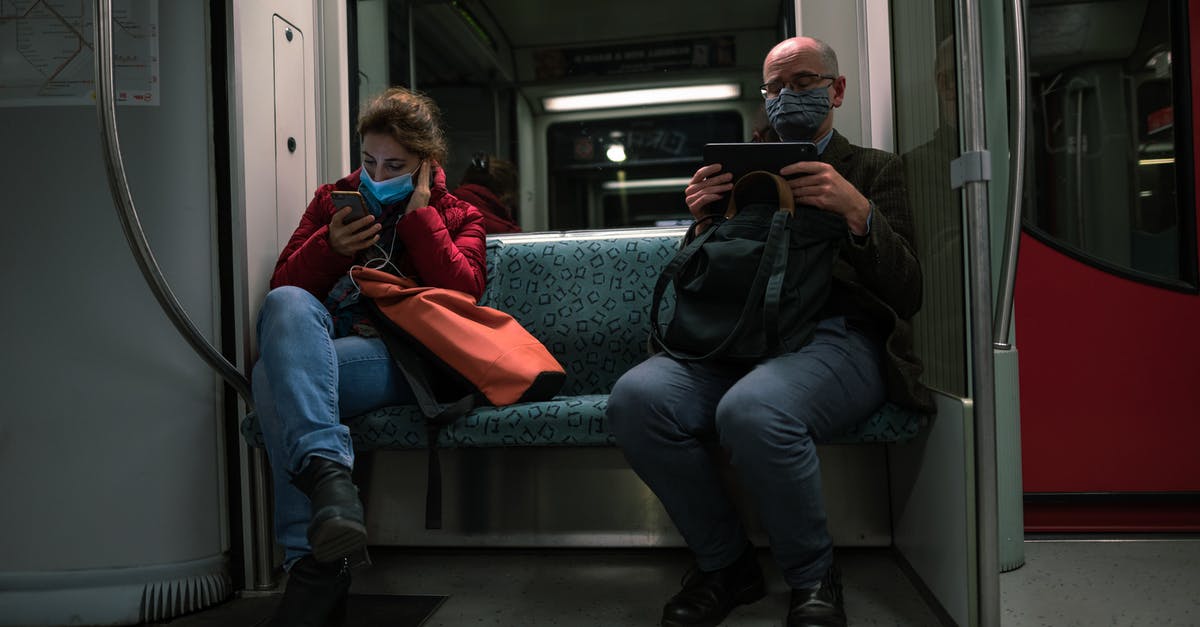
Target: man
{"x": 668, "y": 416}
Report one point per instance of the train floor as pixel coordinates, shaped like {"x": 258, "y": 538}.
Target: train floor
{"x": 1066, "y": 581}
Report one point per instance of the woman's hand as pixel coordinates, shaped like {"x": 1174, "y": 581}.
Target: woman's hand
{"x": 420, "y": 195}
{"x": 346, "y": 239}
{"x": 705, "y": 188}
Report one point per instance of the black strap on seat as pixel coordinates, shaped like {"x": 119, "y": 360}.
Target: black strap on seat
{"x": 437, "y": 415}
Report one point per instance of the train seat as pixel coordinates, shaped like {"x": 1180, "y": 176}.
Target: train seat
{"x": 586, "y": 295}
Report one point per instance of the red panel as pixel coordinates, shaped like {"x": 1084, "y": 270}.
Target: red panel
{"x": 1109, "y": 369}
{"x": 1056, "y": 518}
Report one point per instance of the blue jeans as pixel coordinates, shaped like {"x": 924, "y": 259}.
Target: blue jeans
{"x": 669, "y": 417}
{"x": 305, "y": 381}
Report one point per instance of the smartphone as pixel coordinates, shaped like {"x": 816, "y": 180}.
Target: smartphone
{"x": 354, "y": 200}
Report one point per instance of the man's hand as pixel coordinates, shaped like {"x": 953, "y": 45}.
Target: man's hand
{"x": 706, "y": 187}
{"x": 348, "y": 238}
{"x": 818, "y": 185}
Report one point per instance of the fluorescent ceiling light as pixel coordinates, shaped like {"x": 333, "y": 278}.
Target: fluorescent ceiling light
{"x": 636, "y": 97}
{"x": 680, "y": 183}
{"x": 1166, "y": 161}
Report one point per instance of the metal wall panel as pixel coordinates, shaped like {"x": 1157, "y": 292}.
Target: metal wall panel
{"x": 587, "y": 497}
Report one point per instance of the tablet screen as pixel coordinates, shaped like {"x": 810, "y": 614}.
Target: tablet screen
{"x": 742, "y": 158}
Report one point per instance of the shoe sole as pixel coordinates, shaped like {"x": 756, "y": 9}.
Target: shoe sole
{"x": 745, "y": 596}
{"x": 337, "y": 538}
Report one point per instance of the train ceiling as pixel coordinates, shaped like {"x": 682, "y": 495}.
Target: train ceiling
{"x": 497, "y": 41}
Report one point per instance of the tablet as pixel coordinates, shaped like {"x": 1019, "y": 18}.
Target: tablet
{"x": 747, "y": 157}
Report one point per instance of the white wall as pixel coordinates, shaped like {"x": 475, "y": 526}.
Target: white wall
{"x": 109, "y": 434}
{"x": 281, "y": 89}
{"x": 858, "y": 31}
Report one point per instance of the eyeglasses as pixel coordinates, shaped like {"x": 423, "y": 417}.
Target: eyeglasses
{"x": 798, "y": 82}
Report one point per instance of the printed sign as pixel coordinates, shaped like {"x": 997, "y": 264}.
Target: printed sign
{"x": 710, "y": 52}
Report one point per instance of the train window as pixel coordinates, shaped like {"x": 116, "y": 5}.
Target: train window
{"x": 923, "y": 51}
{"x": 497, "y": 70}
{"x": 629, "y": 171}
{"x": 1111, "y": 136}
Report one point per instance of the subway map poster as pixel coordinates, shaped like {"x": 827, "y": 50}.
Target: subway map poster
{"x": 47, "y": 48}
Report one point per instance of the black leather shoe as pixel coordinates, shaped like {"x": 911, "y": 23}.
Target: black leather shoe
{"x": 315, "y": 596}
{"x": 819, "y": 607}
{"x": 707, "y": 598}
{"x": 337, "y": 528}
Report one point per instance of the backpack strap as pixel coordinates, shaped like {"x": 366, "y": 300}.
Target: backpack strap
{"x": 437, "y": 415}
{"x": 767, "y": 282}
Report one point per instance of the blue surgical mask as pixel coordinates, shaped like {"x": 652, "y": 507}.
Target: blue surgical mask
{"x": 796, "y": 115}
{"x": 385, "y": 193}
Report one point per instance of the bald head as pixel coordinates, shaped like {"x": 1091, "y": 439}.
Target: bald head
{"x": 802, "y": 46}
{"x": 804, "y": 63}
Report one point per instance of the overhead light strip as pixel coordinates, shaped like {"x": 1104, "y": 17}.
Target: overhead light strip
{"x": 639, "y": 97}
{"x": 679, "y": 182}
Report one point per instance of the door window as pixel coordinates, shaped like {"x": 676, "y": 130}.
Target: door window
{"x": 1110, "y": 141}
{"x": 629, "y": 171}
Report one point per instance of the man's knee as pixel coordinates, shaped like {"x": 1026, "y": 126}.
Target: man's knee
{"x": 750, "y": 423}
{"x": 628, "y": 406}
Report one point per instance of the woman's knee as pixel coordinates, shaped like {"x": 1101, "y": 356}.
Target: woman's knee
{"x": 286, "y": 298}
{"x": 286, "y": 307}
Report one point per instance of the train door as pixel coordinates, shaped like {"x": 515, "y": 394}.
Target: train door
{"x": 1107, "y": 303}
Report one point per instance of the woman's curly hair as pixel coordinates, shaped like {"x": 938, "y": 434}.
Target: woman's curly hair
{"x": 410, "y": 118}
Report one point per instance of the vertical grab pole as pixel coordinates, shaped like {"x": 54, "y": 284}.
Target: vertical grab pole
{"x": 1018, "y": 102}
{"x": 412, "y": 48}
{"x": 263, "y": 563}
{"x": 975, "y": 197}
{"x": 118, "y": 185}
{"x": 136, "y": 238}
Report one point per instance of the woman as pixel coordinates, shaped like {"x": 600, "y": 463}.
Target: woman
{"x": 320, "y": 358}
{"x": 490, "y": 183}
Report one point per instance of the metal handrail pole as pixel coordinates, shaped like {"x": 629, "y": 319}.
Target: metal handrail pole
{"x": 106, "y": 112}
{"x": 1018, "y": 103}
{"x": 975, "y": 196}
{"x": 263, "y": 556}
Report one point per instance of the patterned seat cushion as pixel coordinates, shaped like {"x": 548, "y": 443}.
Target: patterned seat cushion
{"x": 587, "y": 298}
{"x": 564, "y": 421}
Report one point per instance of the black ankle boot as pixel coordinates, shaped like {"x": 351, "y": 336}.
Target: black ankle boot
{"x": 707, "y": 598}
{"x": 337, "y": 527}
{"x": 818, "y": 607}
{"x": 315, "y": 596}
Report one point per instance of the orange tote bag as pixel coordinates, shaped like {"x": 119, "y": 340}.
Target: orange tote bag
{"x": 486, "y": 349}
